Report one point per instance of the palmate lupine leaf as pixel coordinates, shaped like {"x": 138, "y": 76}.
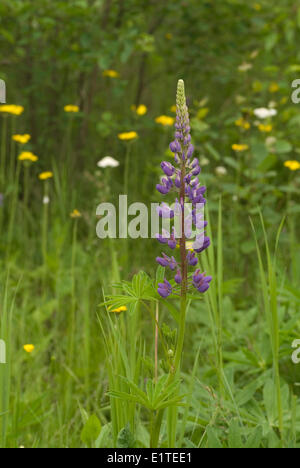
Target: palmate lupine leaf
{"x": 142, "y": 289}
{"x": 139, "y": 289}
{"x": 158, "y": 396}
{"x": 129, "y": 397}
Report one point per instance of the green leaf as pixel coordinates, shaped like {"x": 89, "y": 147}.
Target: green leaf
{"x": 216, "y": 155}
{"x": 91, "y": 430}
{"x": 271, "y": 41}
{"x": 234, "y": 437}
{"x": 270, "y": 400}
{"x": 255, "y": 438}
{"x": 212, "y": 438}
{"x": 267, "y": 163}
{"x": 125, "y": 438}
{"x": 283, "y": 146}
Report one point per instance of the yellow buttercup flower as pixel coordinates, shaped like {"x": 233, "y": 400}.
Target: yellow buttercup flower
{"x": 141, "y": 109}
{"x": 75, "y": 214}
{"x": 238, "y": 148}
{"x": 127, "y": 136}
{"x": 292, "y": 165}
{"x": 111, "y": 73}
{"x": 71, "y": 108}
{"x": 242, "y": 123}
{"x": 257, "y": 6}
{"x": 22, "y": 139}
{"x": 265, "y": 128}
{"x": 119, "y": 310}
{"x": 27, "y": 156}
{"x": 165, "y": 120}
{"x": 168, "y": 36}
{"x": 173, "y": 109}
{"x": 28, "y": 348}
{"x": 273, "y": 88}
{"x": 46, "y": 175}
{"x": 12, "y": 109}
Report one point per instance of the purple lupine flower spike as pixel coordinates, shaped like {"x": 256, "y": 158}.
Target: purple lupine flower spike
{"x": 184, "y": 181}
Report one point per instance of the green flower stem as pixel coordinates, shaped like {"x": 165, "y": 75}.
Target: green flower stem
{"x": 72, "y": 317}
{"x": 13, "y": 207}
{"x": 66, "y": 166}
{"x": 2, "y": 164}
{"x": 3, "y": 152}
{"x": 12, "y": 153}
{"x": 26, "y": 196}
{"x": 183, "y": 308}
{"x": 45, "y": 223}
{"x": 126, "y": 185}
{"x": 156, "y": 342}
{"x": 126, "y": 170}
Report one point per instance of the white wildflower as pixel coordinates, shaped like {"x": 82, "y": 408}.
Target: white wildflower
{"x": 264, "y": 113}
{"x": 245, "y": 67}
{"x": 204, "y": 161}
{"x": 108, "y": 161}
{"x": 221, "y": 171}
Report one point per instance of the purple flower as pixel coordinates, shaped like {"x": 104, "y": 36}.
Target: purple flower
{"x": 162, "y": 189}
{"x": 161, "y": 239}
{"x": 192, "y": 259}
{"x": 162, "y": 261}
{"x": 175, "y": 146}
{"x": 201, "y": 282}
{"x": 172, "y": 242}
{"x": 177, "y": 180}
{"x": 205, "y": 243}
{"x": 164, "y": 289}
{"x": 178, "y": 277}
{"x": 183, "y": 179}
{"x": 166, "y": 261}
{"x": 165, "y": 186}
{"x": 168, "y": 169}
{"x": 190, "y": 151}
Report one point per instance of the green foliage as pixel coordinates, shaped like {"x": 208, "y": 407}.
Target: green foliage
{"x": 91, "y": 431}
{"x": 125, "y": 438}
{"x": 157, "y": 396}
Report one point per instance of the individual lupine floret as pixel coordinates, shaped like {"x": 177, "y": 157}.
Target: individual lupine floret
{"x": 201, "y": 282}
{"x": 166, "y": 261}
{"x": 168, "y": 169}
{"x": 164, "y": 289}
{"x": 165, "y": 186}
{"x": 192, "y": 259}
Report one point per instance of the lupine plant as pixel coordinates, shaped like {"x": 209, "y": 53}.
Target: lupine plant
{"x": 162, "y": 393}
{"x": 183, "y": 180}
